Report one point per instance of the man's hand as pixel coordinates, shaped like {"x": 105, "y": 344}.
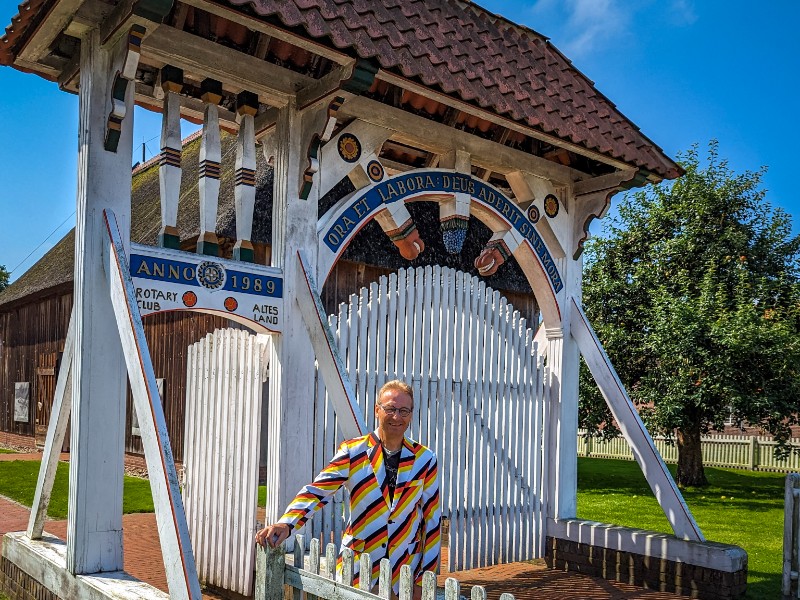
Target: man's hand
{"x": 273, "y": 535}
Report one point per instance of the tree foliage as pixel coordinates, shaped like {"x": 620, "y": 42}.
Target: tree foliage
{"x": 4, "y": 276}
{"x": 693, "y": 290}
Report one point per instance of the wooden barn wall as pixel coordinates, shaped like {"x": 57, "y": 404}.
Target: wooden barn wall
{"x": 32, "y": 339}
{"x": 169, "y": 336}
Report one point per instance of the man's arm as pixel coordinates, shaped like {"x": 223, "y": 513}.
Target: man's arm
{"x": 431, "y": 516}
{"x": 309, "y": 499}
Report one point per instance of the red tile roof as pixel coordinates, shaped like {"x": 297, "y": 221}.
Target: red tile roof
{"x": 17, "y": 32}
{"x": 462, "y": 50}
{"x": 470, "y": 53}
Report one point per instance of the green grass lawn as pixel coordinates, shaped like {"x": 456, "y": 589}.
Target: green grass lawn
{"x": 7, "y": 451}
{"x": 744, "y": 508}
{"x": 18, "y": 482}
{"x": 262, "y": 496}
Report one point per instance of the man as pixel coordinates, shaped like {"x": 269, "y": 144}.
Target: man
{"x": 394, "y": 494}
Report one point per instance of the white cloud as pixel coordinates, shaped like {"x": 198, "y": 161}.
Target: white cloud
{"x": 585, "y": 25}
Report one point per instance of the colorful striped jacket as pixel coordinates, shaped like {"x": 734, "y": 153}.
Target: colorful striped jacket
{"x": 405, "y": 530}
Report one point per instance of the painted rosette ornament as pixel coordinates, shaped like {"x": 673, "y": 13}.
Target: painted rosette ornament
{"x": 454, "y": 232}
{"x": 494, "y": 254}
{"x": 375, "y": 171}
{"x": 349, "y": 148}
{"x": 551, "y": 206}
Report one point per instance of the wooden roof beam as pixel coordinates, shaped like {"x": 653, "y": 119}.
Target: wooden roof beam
{"x": 238, "y": 71}
{"x": 57, "y": 21}
{"x": 233, "y": 14}
{"x": 411, "y": 130}
{"x": 497, "y": 119}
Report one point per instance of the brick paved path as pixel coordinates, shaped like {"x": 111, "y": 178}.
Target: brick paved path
{"x": 527, "y": 581}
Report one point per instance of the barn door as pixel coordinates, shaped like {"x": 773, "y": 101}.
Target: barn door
{"x": 478, "y": 385}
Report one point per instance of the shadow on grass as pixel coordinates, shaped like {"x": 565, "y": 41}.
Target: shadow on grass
{"x": 768, "y": 585}
{"x": 615, "y": 476}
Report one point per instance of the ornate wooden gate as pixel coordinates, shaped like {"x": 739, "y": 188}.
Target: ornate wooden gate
{"x": 479, "y": 392}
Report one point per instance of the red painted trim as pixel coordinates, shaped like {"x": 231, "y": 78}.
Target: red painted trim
{"x": 327, "y": 340}
{"x": 635, "y": 416}
{"x": 111, "y": 235}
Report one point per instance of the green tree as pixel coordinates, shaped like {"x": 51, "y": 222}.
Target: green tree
{"x": 693, "y": 289}
{"x": 4, "y": 276}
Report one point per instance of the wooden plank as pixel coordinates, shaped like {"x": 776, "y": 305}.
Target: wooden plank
{"x": 383, "y": 327}
{"x": 299, "y": 553}
{"x": 658, "y": 477}
{"x": 173, "y": 532}
{"x": 385, "y": 579}
{"x": 406, "y": 583}
{"x": 94, "y": 527}
{"x": 270, "y": 566}
{"x": 238, "y": 71}
{"x": 439, "y": 138}
{"x": 56, "y": 430}
{"x": 337, "y": 381}
{"x": 495, "y": 118}
{"x": 235, "y": 15}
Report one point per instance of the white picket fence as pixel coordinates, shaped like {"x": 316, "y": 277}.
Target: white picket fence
{"x": 478, "y": 386}
{"x": 226, "y": 371}
{"x": 315, "y": 575}
{"x": 732, "y": 451}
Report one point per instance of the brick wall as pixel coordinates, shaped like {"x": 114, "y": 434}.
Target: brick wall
{"x": 16, "y": 441}
{"x": 645, "y": 571}
{"x": 18, "y": 585}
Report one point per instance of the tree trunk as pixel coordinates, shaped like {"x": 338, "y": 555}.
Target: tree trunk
{"x": 690, "y": 458}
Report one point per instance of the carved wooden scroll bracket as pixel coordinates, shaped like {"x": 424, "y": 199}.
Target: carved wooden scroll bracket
{"x": 592, "y": 199}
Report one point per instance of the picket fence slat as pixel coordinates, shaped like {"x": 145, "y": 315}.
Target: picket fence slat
{"x": 479, "y": 403}
{"x": 274, "y": 570}
{"x": 225, "y": 375}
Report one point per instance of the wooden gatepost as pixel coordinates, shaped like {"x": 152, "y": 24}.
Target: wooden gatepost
{"x": 481, "y": 121}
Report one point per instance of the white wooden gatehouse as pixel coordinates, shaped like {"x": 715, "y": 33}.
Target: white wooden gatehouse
{"x": 411, "y": 105}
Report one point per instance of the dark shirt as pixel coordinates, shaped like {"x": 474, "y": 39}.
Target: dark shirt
{"x": 391, "y": 463}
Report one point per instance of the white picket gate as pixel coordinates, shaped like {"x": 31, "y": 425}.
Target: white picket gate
{"x": 479, "y": 397}
{"x": 226, "y": 372}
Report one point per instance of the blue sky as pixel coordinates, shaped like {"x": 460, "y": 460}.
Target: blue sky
{"x": 684, "y": 71}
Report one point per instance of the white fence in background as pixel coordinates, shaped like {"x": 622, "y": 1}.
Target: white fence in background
{"x": 478, "y": 386}
{"x": 226, "y": 372}
{"x": 732, "y": 451}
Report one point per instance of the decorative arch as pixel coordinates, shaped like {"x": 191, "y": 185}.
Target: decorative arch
{"x": 511, "y": 226}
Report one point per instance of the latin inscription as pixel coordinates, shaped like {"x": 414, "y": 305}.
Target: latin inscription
{"x": 421, "y": 182}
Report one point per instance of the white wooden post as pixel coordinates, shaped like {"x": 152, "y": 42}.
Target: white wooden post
{"x": 56, "y": 429}
{"x": 210, "y": 157}
{"x": 94, "y": 528}
{"x": 245, "y": 190}
{"x": 292, "y": 375}
{"x": 169, "y": 171}
{"x": 563, "y": 369}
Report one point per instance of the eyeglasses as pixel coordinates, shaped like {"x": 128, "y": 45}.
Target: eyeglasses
{"x": 391, "y": 411}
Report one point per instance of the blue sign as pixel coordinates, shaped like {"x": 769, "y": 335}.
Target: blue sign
{"x": 209, "y": 274}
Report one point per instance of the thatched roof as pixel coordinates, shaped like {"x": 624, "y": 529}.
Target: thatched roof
{"x": 371, "y": 246}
